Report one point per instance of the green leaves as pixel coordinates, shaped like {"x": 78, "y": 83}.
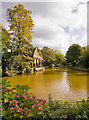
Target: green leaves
{"x": 73, "y": 54}
{"x": 21, "y": 88}
{"x": 6, "y": 83}
{"x": 21, "y": 26}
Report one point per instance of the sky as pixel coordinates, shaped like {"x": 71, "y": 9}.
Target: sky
{"x": 57, "y": 24}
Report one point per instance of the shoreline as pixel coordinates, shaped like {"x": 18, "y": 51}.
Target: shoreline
{"x": 80, "y": 69}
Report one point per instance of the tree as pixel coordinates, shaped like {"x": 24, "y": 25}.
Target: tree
{"x": 21, "y": 24}
{"x": 48, "y": 55}
{"x": 39, "y": 51}
{"x": 73, "y": 54}
{"x": 85, "y": 58}
{"x": 59, "y": 57}
{"x": 6, "y": 45}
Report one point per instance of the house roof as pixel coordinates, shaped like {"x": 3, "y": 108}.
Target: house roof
{"x": 36, "y": 54}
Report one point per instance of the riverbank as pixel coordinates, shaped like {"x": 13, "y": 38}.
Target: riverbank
{"x": 80, "y": 68}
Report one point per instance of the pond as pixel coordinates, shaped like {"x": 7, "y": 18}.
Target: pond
{"x": 62, "y": 83}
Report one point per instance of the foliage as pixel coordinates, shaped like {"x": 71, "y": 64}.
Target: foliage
{"x": 21, "y": 25}
{"x": 18, "y": 104}
{"x": 74, "y": 53}
{"x": 39, "y": 51}
{"x": 67, "y": 110}
{"x": 48, "y": 55}
{"x": 18, "y": 40}
{"x": 59, "y": 57}
{"x": 85, "y": 58}
{"x": 6, "y": 44}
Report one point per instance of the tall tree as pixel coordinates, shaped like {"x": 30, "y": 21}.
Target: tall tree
{"x": 21, "y": 25}
{"x": 48, "y": 55}
{"x": 73, "y": 54}
{"x": 6, "y": 45}
{"x": 85, "y": 58}
{"x": 59, "y": 57}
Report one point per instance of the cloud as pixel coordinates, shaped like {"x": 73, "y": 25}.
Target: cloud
{"x": 56, "y": 25}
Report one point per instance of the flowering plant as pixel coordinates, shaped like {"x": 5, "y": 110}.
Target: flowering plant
{"x": 19, "y": 103}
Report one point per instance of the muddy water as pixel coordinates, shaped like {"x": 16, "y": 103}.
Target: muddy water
{"x": 62, "y": 83}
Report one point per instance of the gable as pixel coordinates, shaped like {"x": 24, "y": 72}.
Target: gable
{"x": 36, "y": 54}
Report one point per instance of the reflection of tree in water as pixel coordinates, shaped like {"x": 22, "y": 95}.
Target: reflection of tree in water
{"x": 78, "y": 83}
{"x": 88, "y": 86}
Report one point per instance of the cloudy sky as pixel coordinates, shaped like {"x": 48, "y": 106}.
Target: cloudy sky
{"x": 56, "y": 24}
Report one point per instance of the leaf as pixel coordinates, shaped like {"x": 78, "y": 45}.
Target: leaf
{"x": 30, "y": 114}
{"x": 21, "y": 116}
{"x": 6, "y": 100}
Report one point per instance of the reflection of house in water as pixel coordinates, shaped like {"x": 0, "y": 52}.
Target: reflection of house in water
{"x": 37, "y": 59}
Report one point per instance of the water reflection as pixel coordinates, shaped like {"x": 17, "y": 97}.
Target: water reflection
{"x": 62, "y": 83}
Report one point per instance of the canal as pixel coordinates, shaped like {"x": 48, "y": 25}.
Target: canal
{"x": 62, "y": 83}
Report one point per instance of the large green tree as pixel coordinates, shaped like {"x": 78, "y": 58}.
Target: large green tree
{"x": 48, "y": 56}
{"x": 59, "y": 57}
{"x": 21, "y": 24}
{"x": 6, "y": 45}
{"x": 73, "y": 54}
{"x": 85, "y": 58}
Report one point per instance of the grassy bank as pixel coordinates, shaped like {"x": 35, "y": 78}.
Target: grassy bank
{"x": 81, "y": 68}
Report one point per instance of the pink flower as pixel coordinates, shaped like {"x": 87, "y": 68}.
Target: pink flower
{"x": 18, "y": 96}
{"x": 12, "y": 108}
{"x": 16, "y": 101}
{"x": 37, "y": 101}
{"x": 24, "y": 95}
{"x": 39, "y": 104}
{"x": 10, "y": 103}
{"x": 19, "y": 110}
{"x": 26, "y": 109}
{"x": 30, "y": 97}
{"x": 16, "y": 105}
{"x": 33, "y": 106}
{"x": 40, "y": 108}
{"x": 25, "y": 113}
{"x": 26, "y": 98}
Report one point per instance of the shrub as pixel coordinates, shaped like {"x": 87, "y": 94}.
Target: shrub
{"x": 68, "y": 110}
{"x": 19, "y": 104}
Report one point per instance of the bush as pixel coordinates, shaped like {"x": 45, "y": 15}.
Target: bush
{"x": 19, "y": 104}
{"x": 68, "y": 110}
